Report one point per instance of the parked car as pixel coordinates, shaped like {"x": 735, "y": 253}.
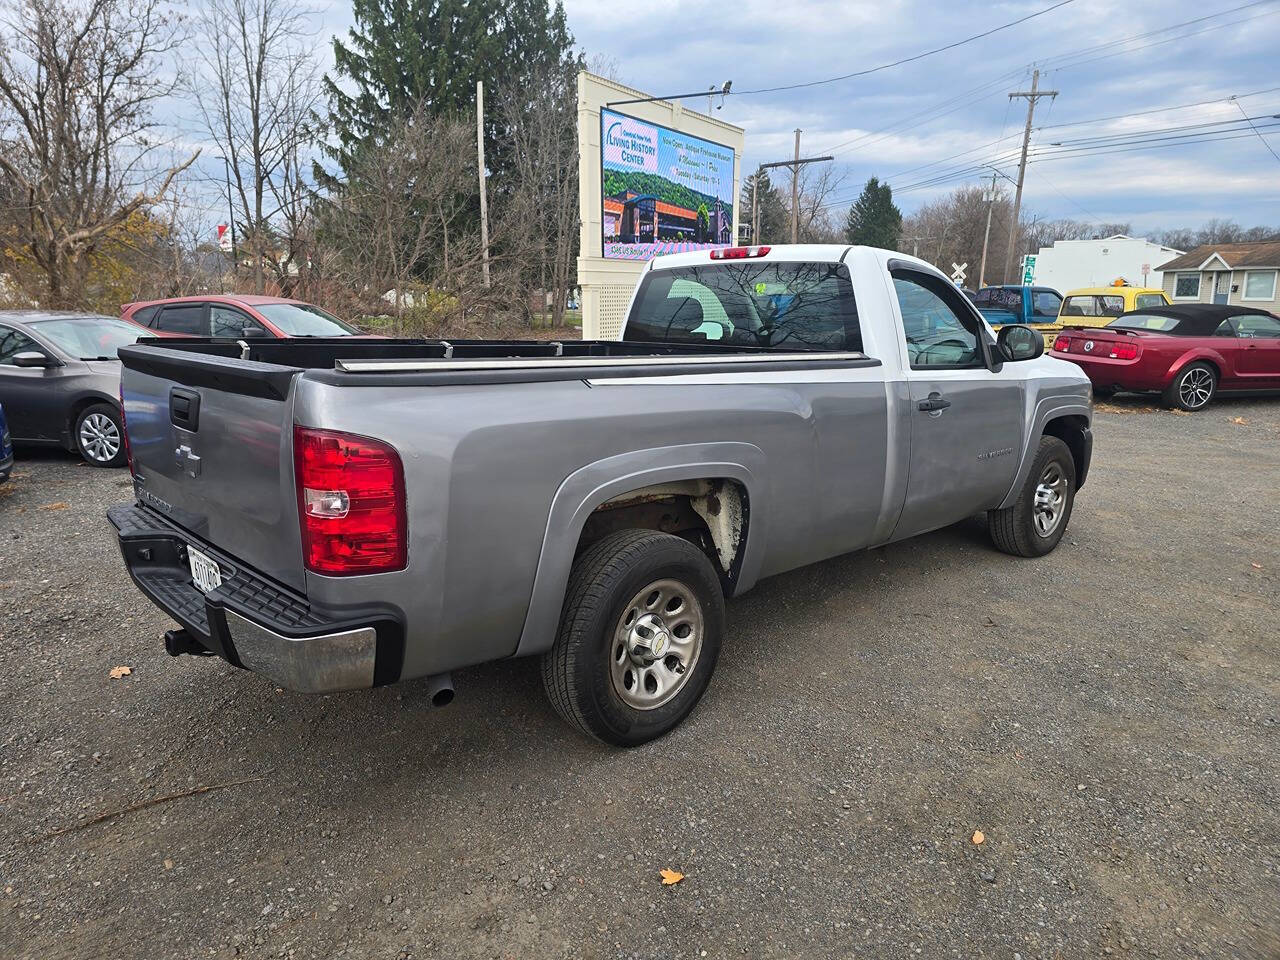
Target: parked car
{"x": 239, "y": 316}
{"x": 60, "y": 381}
{"x": 1187, "y": 352}
{"x": 1097, "y": 306}
{"x": 6, "y": 448}
{"x": 590, "y": 502}
{"x": 1037, "y": 307}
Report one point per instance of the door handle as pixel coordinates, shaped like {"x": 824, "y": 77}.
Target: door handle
{"x": 935, "y": 403}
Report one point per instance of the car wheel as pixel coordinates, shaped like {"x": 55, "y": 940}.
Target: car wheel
{"x": 99, "y": 435}
{"x": 1039, "y": 517}
{"x": 1192, "y": 388}
{"x": 639, "y": 637}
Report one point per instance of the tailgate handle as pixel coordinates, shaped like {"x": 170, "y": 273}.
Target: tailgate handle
{"x": 184, "y": 408}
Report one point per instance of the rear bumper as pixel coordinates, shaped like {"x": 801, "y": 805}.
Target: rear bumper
{"x": 253, "y": 622}
{"x": 1106, "y": 372}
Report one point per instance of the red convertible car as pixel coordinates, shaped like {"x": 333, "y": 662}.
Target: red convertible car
{"x": 1186, "y": 353}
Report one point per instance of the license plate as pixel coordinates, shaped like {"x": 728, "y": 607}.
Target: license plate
{"x": 205, "y": 573}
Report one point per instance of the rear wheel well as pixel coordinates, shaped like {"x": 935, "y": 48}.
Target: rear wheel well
{"x": 710, "y": 513}
{"x": 1071, "y": 431}
{"x": 79, "y": 407}
{"x": 1217, "y": 371}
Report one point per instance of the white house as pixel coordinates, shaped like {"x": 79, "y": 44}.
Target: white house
{"x": 1071, "y": 264}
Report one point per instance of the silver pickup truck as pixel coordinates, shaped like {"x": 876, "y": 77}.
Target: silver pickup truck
{"x": 338, "y": 514}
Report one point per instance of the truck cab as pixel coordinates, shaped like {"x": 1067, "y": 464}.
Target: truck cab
{"x": 1037, "y": 307}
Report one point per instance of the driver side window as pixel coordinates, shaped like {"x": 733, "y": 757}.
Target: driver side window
{"x": 11, "y": 342}
{"x": 938, "y": 335}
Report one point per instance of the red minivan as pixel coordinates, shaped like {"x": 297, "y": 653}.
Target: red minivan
{"x": 242, "y": 316}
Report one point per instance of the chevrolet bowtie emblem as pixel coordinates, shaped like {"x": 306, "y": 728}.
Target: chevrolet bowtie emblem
{"x": 187, "y": 460}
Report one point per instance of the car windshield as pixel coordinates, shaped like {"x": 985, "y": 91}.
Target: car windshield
{"x": 304, "y": 320}
{"x": 1146, "y": 322}
{"x": 89, "y": 338}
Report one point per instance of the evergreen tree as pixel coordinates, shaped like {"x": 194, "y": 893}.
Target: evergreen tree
{"x": 402, "y": 52}
{"x": 774, "y": 218}
{"x": 874, "y": 220}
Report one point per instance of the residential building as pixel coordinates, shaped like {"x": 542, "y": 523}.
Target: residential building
{"x": 1238, "y": 273}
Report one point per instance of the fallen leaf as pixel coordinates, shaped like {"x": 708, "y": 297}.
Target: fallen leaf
{"x": 118, "y": 672}
{"x": 979, "y": 836}
{"x": 57, "y": 505}
{"x": 1240, "y": 420}
{"x": 168, "y": 864}
{"x": 670, "y": 877}
{"x": 1256, "y": 566}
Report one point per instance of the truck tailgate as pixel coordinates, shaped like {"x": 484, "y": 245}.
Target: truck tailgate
{"x": 212, "y": 448}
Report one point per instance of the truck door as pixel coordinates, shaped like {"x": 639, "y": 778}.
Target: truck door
{"x": 966, "y": 420}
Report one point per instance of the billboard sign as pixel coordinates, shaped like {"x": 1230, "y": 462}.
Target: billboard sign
{"x": 663, "y": 191}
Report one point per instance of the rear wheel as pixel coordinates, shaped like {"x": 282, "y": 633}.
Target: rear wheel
{"x": 1038, "y": 518}
{"x": 99, "y": 436}
{"x": 639, "y": 637}
{"x": 1192, "y": 388}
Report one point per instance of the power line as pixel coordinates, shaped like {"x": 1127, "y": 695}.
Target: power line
{"x": 1249, "y": 120}
{"x": 1143, "y": 113}
{"x": 911, "y": 59}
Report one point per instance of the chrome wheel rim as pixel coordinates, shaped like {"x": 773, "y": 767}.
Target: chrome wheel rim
{"x": 1196, "y": 387}
{"x": 99, "y": 437}
{"x": 1051, "y": 499}
{"x": 656, "y": 644}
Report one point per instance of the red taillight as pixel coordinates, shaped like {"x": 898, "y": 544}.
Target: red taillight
{"x": 1061, "y": 343}
{"x": 350, "y": 503}
{"x": 738, "y": 253}
{"x": 1124, "y": 351}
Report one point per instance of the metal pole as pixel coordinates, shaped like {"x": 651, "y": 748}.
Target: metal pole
{"x": 755, "y": 209}
{"x": 484, "y": 205}
{"x": 1031, "y": 98}
{"x": 986, "y": 236}
{"x": 231, "y": 217}
{"x": 795, "y": 192}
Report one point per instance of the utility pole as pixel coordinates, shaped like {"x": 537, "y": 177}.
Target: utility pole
{"x": 795, "y": 192}
{"x": 231, "y": 217}
{"x": 915, "y": 244}
{"x": 484, "y": 206}
{"x": 986, "y": 236}
{"x": 795, "y": 164}
{"x": 1031, "y": 97}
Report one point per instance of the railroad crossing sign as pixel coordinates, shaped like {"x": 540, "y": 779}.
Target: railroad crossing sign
{"x": 957, "y": 272}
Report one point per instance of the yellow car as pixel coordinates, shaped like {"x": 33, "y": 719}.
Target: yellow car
{"x": 1098, "y": 306}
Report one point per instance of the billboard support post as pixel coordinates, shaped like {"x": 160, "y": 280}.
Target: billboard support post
{"x": 484, "y": 205}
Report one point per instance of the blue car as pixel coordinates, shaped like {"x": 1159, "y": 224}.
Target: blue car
{"x": 6, "y": 449}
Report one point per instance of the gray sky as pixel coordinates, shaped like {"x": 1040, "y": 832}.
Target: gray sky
{"x": 899, "y": 123}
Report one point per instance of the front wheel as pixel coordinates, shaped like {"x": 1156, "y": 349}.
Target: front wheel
{"x": 1038, "y": 518}
{"x": 1192, "y": 388}
{"x": 639, "y": 637}
{"x": 99, "y": 436}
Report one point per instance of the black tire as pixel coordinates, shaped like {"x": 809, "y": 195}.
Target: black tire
{"x": 94, "y": 438}
{"x": 578, "y": 671}
{"x": 1193, "y": 388}
{"x": 1014, "y": 530}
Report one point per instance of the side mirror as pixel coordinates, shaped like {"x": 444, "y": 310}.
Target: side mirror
{"x": 1015, "y": 341}
{"x": 33, "y": 358}
{"x": 251, "y": 332}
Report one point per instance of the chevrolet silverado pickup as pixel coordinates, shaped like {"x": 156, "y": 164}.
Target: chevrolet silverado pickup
{"x": 344, "y": 513}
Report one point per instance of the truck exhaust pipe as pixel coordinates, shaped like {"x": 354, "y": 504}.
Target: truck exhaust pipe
{"x": 440, "y": 690}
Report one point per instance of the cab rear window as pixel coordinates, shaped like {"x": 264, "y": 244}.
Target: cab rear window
{"x": 781, "y": 306}
{"x": 1092, "y": 305}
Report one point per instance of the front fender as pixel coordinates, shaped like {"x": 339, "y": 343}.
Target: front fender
{"x": 1047, "y": 408}
{"x": 588, "y": 487}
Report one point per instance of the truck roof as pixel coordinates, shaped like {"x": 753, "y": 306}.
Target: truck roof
{"x": 787, "y": 252}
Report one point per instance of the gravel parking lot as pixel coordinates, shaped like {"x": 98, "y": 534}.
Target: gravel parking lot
{"x": 1108, "y": 717}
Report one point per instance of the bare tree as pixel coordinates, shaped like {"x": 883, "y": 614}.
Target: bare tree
{"x": 541, "y": 119}
{"x": 78, "y": 81}
{"x": 392, "y": 223}
{"x": 818, "y": 220}
{"x": 257, "y": 87}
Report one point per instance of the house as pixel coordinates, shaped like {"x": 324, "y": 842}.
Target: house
{"x": 1237, "y": 273}
{"x": 1070, "y": 264}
